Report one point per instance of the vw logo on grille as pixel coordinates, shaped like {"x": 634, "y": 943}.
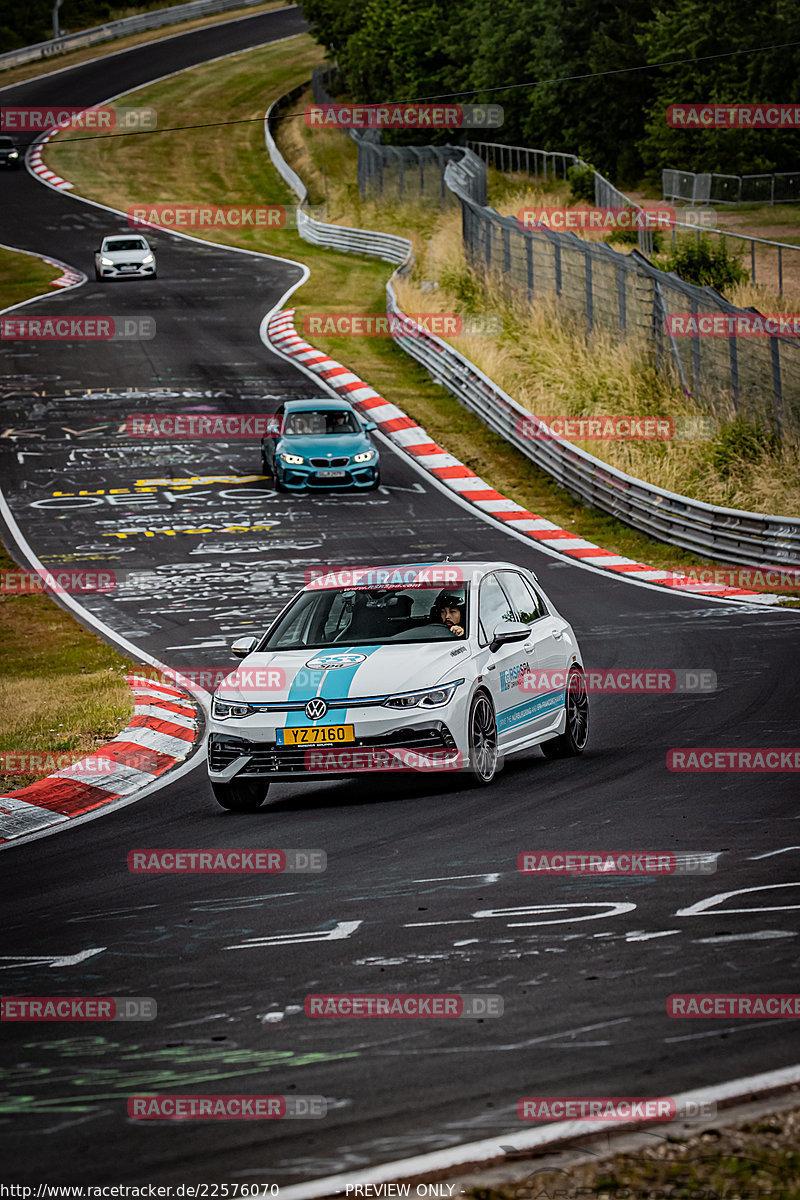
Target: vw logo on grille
{"x": 316, "y": 708}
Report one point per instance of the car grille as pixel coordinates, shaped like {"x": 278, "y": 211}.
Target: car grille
{"x": 329, "y": 462}
{"x": 268, "y": 757}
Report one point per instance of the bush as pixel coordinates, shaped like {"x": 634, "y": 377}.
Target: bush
{"x": 630, "y": 237}
{"x": 707, "y": 265}
{"x": 581, "y": 183}
{"x": 741, "y": 443}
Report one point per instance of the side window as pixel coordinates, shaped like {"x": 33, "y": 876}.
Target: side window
{"x": 493, "y": 607}
{"x": 526, "y": 604}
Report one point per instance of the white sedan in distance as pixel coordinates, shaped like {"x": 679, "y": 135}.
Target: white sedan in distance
{"x": 121, "y": 255}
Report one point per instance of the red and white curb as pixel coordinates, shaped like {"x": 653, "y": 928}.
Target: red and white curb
{"x": 162, "y": 733}
{"x": 414, "y": 440}
{"x": 38, "y": 167}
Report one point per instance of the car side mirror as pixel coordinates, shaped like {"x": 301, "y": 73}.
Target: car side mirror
{"x": 508, "y": 631}
{"x": 370, "y": 425}
{"x": 244, "y": 646}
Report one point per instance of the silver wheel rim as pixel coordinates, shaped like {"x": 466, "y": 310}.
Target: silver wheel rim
{"x": 483, "y": 739}
{"x": 578, "y": 709}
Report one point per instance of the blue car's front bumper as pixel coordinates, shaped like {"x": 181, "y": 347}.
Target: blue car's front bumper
{"x": 300, "y": 478}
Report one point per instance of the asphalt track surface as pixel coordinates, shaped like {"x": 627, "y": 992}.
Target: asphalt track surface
{"x": 421, "y": 893}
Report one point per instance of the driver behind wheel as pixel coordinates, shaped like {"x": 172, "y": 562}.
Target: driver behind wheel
{"x": 449, "y": 609}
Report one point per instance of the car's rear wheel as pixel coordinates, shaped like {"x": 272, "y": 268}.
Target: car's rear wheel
{"x": 244, "y": 796}
{"x": 576, "y": 733}
{"x": 484, "y": 759}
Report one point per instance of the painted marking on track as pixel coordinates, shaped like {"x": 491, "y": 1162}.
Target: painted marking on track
{"x": 639, "y": 936}
{"x": 610, "y": 908}
{"x": 763, "y": 935}
{"x": 713, "y": 902}
{"x": 772, "y": 853}
{"x": 492, "y": 877}
{"x": 342, "y": 929}
{"x": 9, "y": 961}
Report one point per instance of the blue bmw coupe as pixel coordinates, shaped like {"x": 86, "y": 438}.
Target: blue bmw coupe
{"x": 320, "y": 443}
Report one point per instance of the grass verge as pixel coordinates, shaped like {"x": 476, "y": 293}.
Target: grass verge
{"x": 753, "y": 1159}
{"x": 61, "y": 688}
{"x": 23, "y": 276}
{"x": 229, "y": 165}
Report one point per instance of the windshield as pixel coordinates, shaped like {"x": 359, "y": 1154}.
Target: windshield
{"x": 320, "y": 424}
{"x": 342, "y": 617}
{"x": 124, "y": 244}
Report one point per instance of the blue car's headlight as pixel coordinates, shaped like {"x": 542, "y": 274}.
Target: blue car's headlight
{"x": 294, "y": 460}
{"x": 365, "y": 457}
{"x": 221, "y": 709}
{"x": 425, "y": 698}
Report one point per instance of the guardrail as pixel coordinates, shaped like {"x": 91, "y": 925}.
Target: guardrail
{"x": 115, "y": 29}
{"x": 387, "y": 246}
{"x": 729, "y": 534}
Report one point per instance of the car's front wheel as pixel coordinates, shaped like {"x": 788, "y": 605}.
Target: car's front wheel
{"x": 576, "y": 732}
{"x": 244, "y": 796}
{"x": 484, "y": 759}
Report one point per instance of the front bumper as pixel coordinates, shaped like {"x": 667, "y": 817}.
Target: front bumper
{"x": 410, "y": 749}
{"x": 118, "y": 273}
{"x": 305, "y": 478}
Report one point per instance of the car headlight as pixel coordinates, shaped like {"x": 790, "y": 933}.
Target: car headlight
{"x": 365, "y": 457}
{"x": 294, "y": 460}
{"x": 148, "y": 258}
{"x": 221, "y": 709}
{"x": 425, "y": 698}
{"x": 106, "y": 262}
{"x": 14, "y": 154}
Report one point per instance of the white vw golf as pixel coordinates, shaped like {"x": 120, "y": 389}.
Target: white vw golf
{"x": 421, "y": 667}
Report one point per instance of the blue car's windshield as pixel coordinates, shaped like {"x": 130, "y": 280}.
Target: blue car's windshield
{"x": 341, "y": 617}
{"x": 321, "y": 423}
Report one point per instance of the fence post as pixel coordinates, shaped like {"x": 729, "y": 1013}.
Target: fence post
{"x": 696, "y": 380}
{"x": 777, "y": 389}
{"x": 733, "y": 356}
{"x": 780, "y": 270}
{"x": 621, "y": 299}
{"x": 529, "y": 263}
{"x": 587, "y": 260}
{"x": 753, "y": 260}
{"x": 557, "y": 266}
